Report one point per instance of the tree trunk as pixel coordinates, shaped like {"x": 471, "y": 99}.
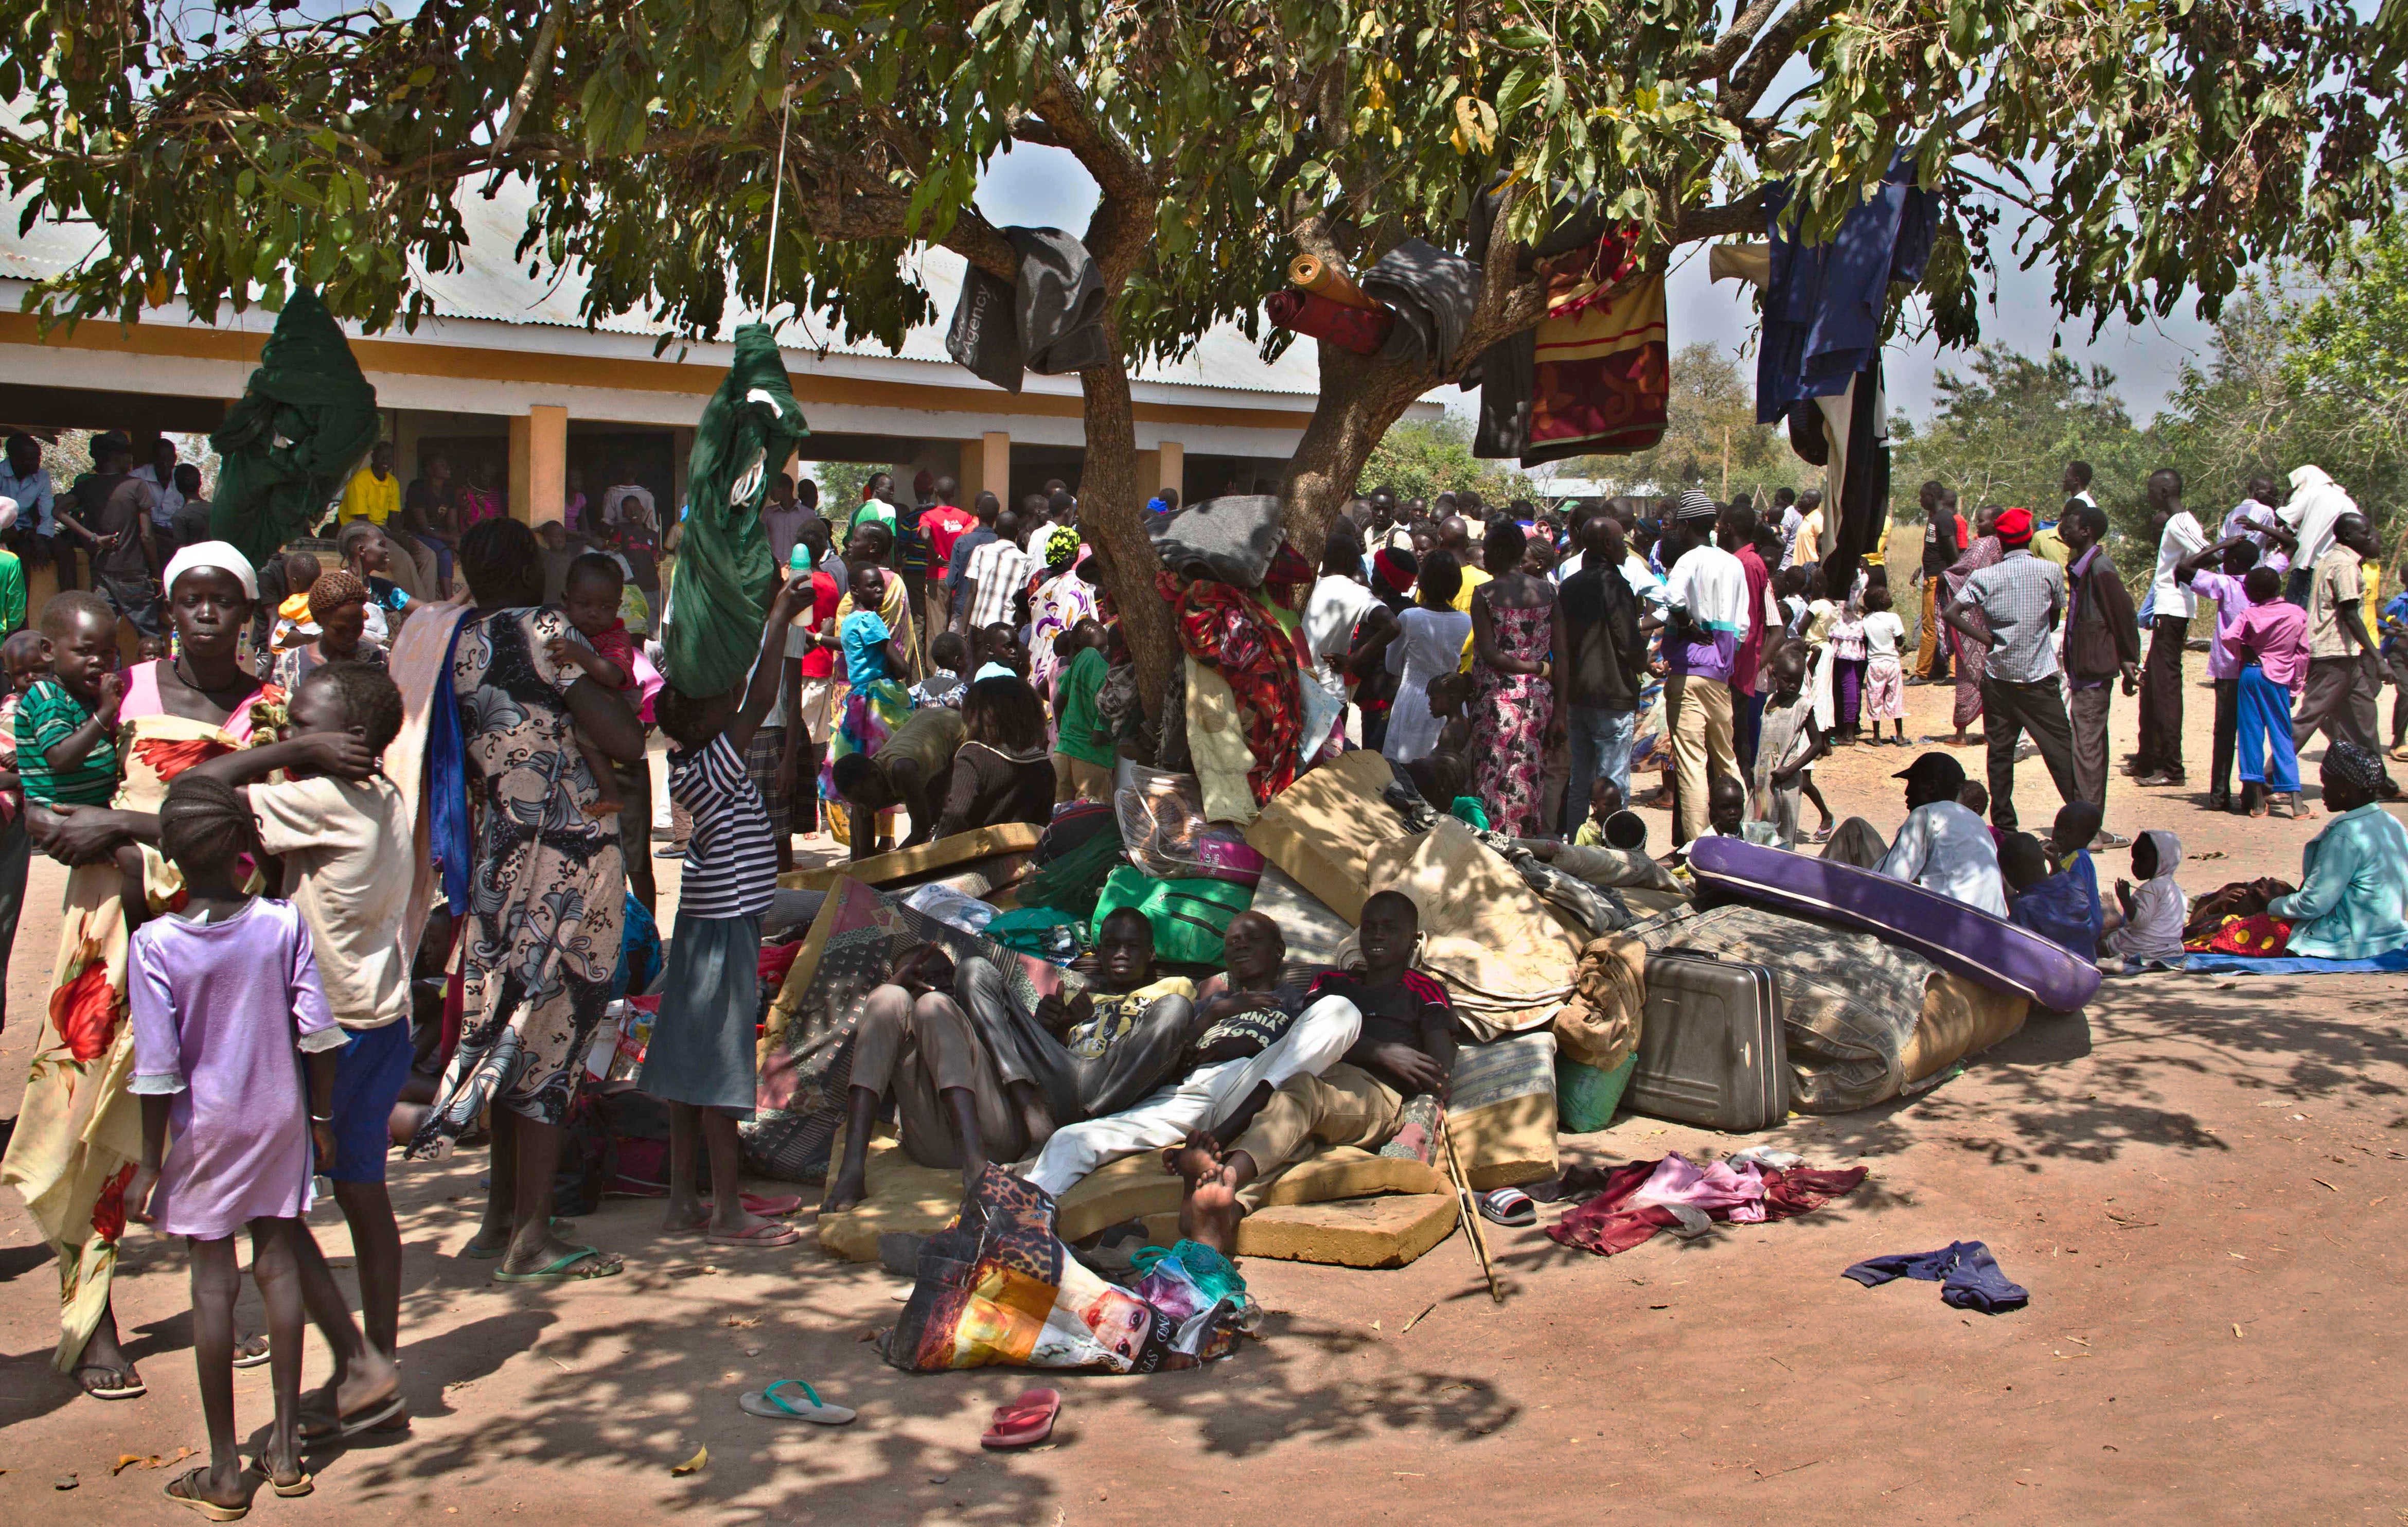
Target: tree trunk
{"x": 1360, "y": 397}
{"x": 1111, "y": 510}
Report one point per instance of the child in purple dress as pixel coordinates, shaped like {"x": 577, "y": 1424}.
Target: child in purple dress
{"x": 227, "y": 1012}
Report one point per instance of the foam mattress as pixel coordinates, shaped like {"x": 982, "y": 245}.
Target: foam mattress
{"x": 1962, "y": 939}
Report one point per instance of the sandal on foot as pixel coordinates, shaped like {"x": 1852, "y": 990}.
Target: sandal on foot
{"x": 371, "y": 1417}
{"x": 772, "y": 1405}
{"x": 244, "y": 1355}
{"x": 565, "y": 1269}
{"x": 126, "y": 1388}
{"x": 298, "y": 1487}
{"x": 477, "y": 1250}
{"x": 190, "y": 1496}
{"x": 767, "y": 1232}
{"x": 1822, "y": 833}
{"x": 1508, "y": 1206}
{"x": 1024, "y": 1423}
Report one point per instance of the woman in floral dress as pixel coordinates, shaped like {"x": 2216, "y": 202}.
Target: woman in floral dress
{"x": 80, "y": 1129}
{"x": 544, "y": 900}
{"x": 1513, "y": 693}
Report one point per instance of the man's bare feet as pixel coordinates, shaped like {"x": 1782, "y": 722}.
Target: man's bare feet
{"x": 537, "y": 1248}
{"x": 1210, "y": 1214}
{"x": 845, "y": 1189}
{"x": 1198, "y": 1156}
{"x": 102, "y": 1368}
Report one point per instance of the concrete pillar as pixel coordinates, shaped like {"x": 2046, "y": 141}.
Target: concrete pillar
{"x": 521, "y": 492}
{"x": 986, "y": 467}
{"x": 1165, "y": 466}
{"x": 548, "y": 461}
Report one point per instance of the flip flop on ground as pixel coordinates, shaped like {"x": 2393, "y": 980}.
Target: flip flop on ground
{"x": 375, "y": 1416}
{"x": 565, "y": 1269}
{"x": 767, "y": 1232}
{"x": 772, "y": 1404}
{"x": 126, "y": 1386}
{"x": 1024, "y": 1423}
{"x": 190, "y": 1495}
{"x": 1508, "y": 1206}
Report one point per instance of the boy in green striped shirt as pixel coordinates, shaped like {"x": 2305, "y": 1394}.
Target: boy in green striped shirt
{"x": 67, "y": 724}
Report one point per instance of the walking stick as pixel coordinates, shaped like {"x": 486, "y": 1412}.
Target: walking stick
{"x": 1470, "y": 1208}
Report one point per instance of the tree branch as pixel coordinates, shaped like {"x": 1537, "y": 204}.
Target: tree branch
{"x": 1727, "y": 48}
{"x": 1738, "y": 94}
{"x": 537, "y": 60}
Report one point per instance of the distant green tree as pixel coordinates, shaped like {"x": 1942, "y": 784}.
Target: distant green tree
{"x": 2002, "y": 432}
{"x": 1423, "y": 458}
{"x": 840, "y": 482}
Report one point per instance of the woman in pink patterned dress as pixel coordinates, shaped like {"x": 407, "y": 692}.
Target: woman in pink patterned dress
{"x": 1514, "y": 625}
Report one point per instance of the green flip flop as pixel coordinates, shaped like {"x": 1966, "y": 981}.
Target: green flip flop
{"x": 558, "y": 1272}
{"x": 474, "y": 1253}
{"x": 771, "y": 1405}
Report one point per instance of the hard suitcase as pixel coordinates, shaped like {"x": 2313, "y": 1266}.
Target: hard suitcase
{"x": 1711, "y": 1052}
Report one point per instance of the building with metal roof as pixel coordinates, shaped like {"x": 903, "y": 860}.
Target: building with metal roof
{"x": 511, "y": 382}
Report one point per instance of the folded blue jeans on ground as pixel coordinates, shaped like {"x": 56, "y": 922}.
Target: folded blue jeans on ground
{"x": 1968, "y": 1276}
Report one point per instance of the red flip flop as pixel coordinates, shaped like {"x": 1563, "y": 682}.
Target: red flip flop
{"x": 1024, "y": 1423}
{"x": 771, "y": 1207}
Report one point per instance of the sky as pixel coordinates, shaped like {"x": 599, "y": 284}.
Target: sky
{"x": 1037, "y": 188}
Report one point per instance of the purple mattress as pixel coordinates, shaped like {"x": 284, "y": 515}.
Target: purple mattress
{"x": 1955, "y": 937}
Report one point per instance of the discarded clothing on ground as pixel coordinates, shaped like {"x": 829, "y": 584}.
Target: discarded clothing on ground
{"x": 997, "y": 1288}
{"x": 1968, "y": 1276}
{"x": 1643, "y": 1197}
{"x": 1048, "y": 319}
{"x": 748, "y": 430}
{"x": 305, "y": 420}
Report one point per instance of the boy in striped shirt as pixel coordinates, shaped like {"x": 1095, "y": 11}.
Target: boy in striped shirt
{"x": 700, "y": 1060}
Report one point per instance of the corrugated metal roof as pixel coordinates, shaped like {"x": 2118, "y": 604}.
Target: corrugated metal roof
{"x": 493, "y": 287}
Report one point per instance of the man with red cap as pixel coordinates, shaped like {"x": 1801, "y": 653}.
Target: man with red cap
{"x": 2020, "y": 600}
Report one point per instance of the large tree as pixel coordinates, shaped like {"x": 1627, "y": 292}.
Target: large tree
{"x": 2148, "y": 152}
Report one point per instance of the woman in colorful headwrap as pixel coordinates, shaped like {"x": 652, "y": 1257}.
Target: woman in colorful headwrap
{"x": 338, "y": 607}
{"x": 1059, "y": 599}
{"x": 2353, "y": 898}
{"x": 80, "y": 1129}
{"x": 1981, "y": 551}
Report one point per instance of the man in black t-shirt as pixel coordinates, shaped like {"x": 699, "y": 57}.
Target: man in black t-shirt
{"x": 1405, "y": 1049}
{"x": 1604, "y": 662}
{"x": 1941, "y": 550}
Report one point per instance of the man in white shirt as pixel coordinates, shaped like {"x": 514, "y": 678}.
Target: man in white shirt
{"x": 2159, "y": 761}
{"x": 161, "y": 474}
{"x": 2075, "y": 483}
{"x": 997, "y": 573}
{"x": 1941, "y": 845}
{"x": 1704, "y": 618}
{"x": 627, "y": 488}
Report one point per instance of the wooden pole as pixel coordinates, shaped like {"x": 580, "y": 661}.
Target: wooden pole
{"x": 1471, "y": 1209}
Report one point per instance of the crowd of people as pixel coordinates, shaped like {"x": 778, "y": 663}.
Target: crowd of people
{"x": 232, "y": 806}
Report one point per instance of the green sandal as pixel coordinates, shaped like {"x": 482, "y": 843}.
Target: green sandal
{"x": 558, "y": 1272}
{"x": 770, "y": 1405}
{"x": 475, "y": 1252}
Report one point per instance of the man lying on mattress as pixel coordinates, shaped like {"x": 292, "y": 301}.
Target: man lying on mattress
{"x": 1406, "y": 1047}
{"x": 975, "y": 1079}
{"x": 1253, "y": 1036}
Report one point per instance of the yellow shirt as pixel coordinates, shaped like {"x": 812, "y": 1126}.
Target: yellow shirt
{"x": 1472, "y": 579}
{"x": 2050, "y": 547}
{"x": 366, "y": 497}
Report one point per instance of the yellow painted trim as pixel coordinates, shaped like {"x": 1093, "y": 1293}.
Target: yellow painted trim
{"x": 537, "y": 368}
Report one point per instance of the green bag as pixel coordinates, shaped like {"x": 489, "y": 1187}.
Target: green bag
{"x": 1585, "y": 1097}
{"x": 1189, "y": 917}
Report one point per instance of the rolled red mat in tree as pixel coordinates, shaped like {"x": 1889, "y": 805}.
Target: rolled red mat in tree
{"x": 1348, "y": 328}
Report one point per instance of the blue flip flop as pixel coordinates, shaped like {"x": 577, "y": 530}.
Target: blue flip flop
{"x": 558, "y": 1271}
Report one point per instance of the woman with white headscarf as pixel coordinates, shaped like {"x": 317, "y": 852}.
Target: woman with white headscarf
{"x": 80, "y": 1132}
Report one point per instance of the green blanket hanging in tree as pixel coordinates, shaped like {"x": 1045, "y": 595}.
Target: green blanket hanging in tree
{"x": 719, "y": 593}
{"x": 301, "y": 429}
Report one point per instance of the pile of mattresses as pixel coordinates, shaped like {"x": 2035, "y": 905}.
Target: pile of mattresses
{"x": 1805, "y": 985}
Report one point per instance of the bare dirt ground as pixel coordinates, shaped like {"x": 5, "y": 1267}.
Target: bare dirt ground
{"x": 2199, "y": 1179}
